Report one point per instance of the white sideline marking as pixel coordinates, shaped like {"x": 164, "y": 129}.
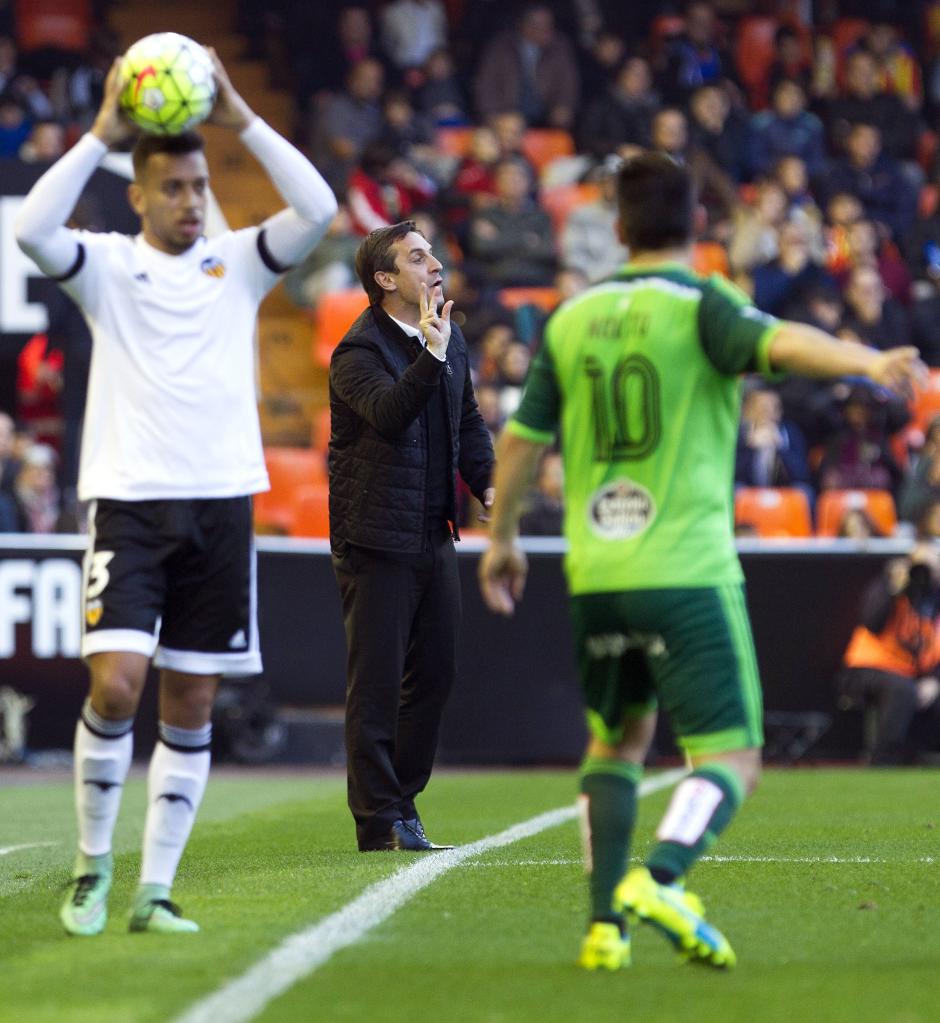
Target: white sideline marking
{"x": 720, "y": 859}
{"x": 5, "y": 850}
{"x": 300, "y": 954}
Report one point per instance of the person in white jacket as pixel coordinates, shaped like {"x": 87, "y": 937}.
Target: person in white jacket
{"x": 171, "y": 454}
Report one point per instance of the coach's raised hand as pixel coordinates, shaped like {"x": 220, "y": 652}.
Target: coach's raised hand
{"x": 434, "y": 325}
{"x": 111, "y": 126}
{"x": 230, "y": 110}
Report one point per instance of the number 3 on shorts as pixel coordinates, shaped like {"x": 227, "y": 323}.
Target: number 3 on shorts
{"x": 98, "y": 575}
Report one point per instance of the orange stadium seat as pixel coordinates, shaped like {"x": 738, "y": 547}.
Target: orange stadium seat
{"x": 515, "y": 298}
{"x": 753, "y": 55}
{"x": 878, "y": 505}
{"x": 320, "y": 430}
{"x": 289, "y": 469}
{"x": 773, "y": 511}
{"x": 454, "y": 141}
{"x": 926, "y": 402}
{"x": 332, "y": 317}
{"x": 558, "y": 202}
{"x": 310, "y": 511}
{"x": 710, "y": 258}
{"x": 542, "y": 145}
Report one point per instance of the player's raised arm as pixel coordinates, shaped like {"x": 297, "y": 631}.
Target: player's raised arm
{"x": 40, "y": 227}
{"x": 800, "y": 348}
{"x": 293, "y": 232}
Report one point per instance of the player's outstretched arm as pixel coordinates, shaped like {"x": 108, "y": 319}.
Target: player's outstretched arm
{"x": 503, "y": 567}
{"x": 799, "y": 348}
{"x": 292, "y": 233}
{"x": 40, "y": 227}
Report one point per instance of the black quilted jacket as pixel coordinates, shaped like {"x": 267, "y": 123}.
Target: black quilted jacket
{"x": 380, "y": 383}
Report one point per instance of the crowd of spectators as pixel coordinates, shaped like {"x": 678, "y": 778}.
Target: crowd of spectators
{"x": 810, "y": 128}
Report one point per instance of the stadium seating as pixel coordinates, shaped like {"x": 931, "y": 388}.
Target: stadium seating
{"x": 878, "y": 505}
{"x": 333, "y": 316}
{"x": 514, "y": 298}
{"x": 773, "y": 511}
{"x": 710, "y": 258}
{"x": 559, "y": 202}
{"x": 542, "y": 145}
{"x": 454, "y": 141}
{"x": 753, "y": 55}
{"x": 310, "y": 511}
{"x": 288, "y": 469}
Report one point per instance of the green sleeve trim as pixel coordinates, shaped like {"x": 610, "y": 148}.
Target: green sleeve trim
{"x": 530, "y": 433}
{"x": 608, "y": 765}
{"x": 762, "y": 353}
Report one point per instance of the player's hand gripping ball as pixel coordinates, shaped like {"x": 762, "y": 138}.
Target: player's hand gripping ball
{"x": 169, "y": 83}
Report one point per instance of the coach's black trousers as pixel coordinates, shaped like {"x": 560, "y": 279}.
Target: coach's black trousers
{"x": 401, "y": 613}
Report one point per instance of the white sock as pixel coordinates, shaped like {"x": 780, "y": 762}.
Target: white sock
{"x": 103, "y": 751}
{"x": 176, "y": 782}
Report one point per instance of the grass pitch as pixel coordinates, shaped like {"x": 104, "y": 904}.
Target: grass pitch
{"x": 828, "y": 886}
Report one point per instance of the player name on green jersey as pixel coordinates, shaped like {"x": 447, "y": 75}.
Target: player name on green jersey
{"x": 640, "y": 374}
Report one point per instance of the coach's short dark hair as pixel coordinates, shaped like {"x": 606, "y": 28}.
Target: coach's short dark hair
{"x": 176, "y": 145}
{"x": 376, "y": 252}
{"x": 657, "y": 200}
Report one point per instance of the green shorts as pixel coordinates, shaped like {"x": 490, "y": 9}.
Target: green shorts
{"x": 689, "y": 650}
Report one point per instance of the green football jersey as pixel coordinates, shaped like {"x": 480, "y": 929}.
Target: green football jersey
{"x": 641, "y": 375}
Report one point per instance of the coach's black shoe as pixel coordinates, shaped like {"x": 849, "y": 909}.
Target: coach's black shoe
{"x": 402, "y": 836}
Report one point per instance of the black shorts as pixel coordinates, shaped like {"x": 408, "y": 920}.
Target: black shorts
{"x": 173, "y": 580}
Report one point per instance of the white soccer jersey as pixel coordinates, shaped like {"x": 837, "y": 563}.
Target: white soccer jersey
{"x": 171, "y": 410}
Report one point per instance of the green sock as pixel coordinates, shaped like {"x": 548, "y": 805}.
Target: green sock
{"x": 608, "y": 805}
{"x": 702, "y": 806}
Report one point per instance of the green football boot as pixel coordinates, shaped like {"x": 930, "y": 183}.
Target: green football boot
{"x": 604, "y": 947}
{"x": 154, "y": 912}
{"x": 85, "y": 909}
{"x": 678, "y": 914}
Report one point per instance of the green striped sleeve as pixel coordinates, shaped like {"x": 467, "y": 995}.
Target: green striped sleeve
{"x": 734, "y": 333}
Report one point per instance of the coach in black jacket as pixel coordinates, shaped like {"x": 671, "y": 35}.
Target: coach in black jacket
{"x": 404, "y": 420}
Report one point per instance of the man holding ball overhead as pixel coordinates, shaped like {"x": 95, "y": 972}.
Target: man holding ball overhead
{"x": 171, "y": 455}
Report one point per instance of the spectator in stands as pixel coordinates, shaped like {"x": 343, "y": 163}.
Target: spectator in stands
{"x": 36, "y": 492}
{"x": 842, "y": 210}
{"x": 589, "y": 240}
{"x": 875, "y": 178}
{"x": 9, "y": 470}
{"x": 329, "y": 267}
{"x": 509, "y": 127}
{"x": 441, "y": 95}
{"x": 756, "y": 226}
{"x": 718, "y": 130}
{"x": 531, "y": 68}
{"x": 348, "y": 122}
{"x": 412, "y": 30}
{"x": 411, "y": 135}
{"x": 871, "y": 315}
{"x": 898, "y": 68}
{"x": 512, "y": 243}
{"x": 921, "y": 245}
{"x": 14, "y": 126}
{"x": 790, "y": 62}
{"x": 600, "y": 61}
{"x": 323, "y": 56}
{"x": 7, "y": 62}
{"x": 385, "y": 189}
{"x": 493, "y": 344}
{"x": 45, "y": 144}
{"x": 925, "y": 322}
{"x": 513, "y": 366}
{"x": 77, "y": 92}
{"x": 544, "y": 506}
{"x": 865, "y": 100}
{"x": 717, "y": 192}
{"x": 892, "y": 658}
{"x": 921, "y": 486}
{"x": 791, "y": 174}
{"x": 787, "y": 129}
{"x": 694, "y": 57}
{"x": 39, "y": 380}
{"x": 782, "y": 286}
{"x": 771, "y": 452}
{"x": 858, "y": 456}
{"x": 865, "y": 249}
{"x": 623, "y": 113}
{"x": 488, "y": 403}
{"x": 474, "y": 184}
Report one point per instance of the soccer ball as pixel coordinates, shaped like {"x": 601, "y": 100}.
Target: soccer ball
{"x": 169, "y": 85}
